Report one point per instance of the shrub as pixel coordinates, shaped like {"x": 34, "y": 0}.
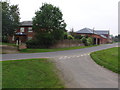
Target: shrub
{"x": 70, "y": 37}
{"x": 89, "y": 41}
{"x": 32, "y": 43}
{"x": 65, "y": 35}
{"x": 84, "y": 41}
{"x": 41, "y": 40}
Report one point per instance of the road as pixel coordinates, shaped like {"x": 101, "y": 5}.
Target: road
{"x": 77, "y": 68}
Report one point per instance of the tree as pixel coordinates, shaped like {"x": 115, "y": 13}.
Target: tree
{"x": 48, "y": 24}
{"x": 10, "y": 19}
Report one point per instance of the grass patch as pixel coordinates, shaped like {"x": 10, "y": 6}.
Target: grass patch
{"x": 30, "y": 73}
{"x": 9, "y": 44}
{"x": 52, "y": 50}
{"x": 108, "y": 58}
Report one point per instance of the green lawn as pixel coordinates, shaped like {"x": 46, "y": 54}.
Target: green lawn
{"x": 10, "y": 44}
{"x": 52, "y": 50}
{"x": 30, "y": 73}
{"x": 108, "y": 58}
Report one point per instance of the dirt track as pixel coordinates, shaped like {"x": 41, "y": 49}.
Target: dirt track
{"x": 8, "y": 49}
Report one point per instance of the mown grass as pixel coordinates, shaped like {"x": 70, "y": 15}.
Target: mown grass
{"x": 52, "y": 50}
{"x": 9, "y": 44}
{"x": 108, "y": 58}
{"x": 30, "y": 73}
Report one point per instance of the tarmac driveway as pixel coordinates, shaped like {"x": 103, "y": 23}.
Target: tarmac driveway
{"x": 80, "y": 71}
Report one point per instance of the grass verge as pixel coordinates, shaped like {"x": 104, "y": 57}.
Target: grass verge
{"x": 52, "y": 50}
{"x": 9, "y": 44}
{"x": 30, "y": 73}
{"x": 108, "y": 58}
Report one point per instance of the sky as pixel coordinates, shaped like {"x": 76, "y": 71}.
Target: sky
{"x": 78, "y": 14}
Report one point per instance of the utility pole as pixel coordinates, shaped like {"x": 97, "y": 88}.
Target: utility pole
{"x": 93, "y": 30}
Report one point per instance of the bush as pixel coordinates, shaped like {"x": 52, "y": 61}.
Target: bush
{"x": 70, "y": 37}
{"x": 41, "y": 40}
{"x": 89, "y": 41}
{"x": 32, "y": 44}
{"x": 84, "y": 41}
{"x": 65, "y": 35}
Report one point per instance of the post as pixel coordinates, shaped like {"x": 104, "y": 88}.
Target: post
{"x": 96, "y": 41}
{"x": 18, "y": 44}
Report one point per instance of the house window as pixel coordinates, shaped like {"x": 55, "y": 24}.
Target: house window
{"x": 30, "y": 29}
{"x": 22, "y": 29}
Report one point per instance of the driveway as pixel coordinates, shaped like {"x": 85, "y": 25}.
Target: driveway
{"x": 77, "y": 69}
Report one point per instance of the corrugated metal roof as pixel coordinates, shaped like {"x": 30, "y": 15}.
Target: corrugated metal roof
{"x": 85, "y": 30}
{"x": 26, "y": 23}
{"x": 103, "y": 36}
{"x": 91, "y": 31}
{"x": 102, "y": 32}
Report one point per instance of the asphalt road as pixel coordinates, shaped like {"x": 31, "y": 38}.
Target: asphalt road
{"x": 77, "y": 68}
{"x": 56, "y": 54}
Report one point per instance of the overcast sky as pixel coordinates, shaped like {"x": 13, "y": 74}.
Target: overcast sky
{"x": 78, "y": 14}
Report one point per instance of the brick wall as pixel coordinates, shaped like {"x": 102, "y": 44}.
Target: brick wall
{"x": 67, "y": 43}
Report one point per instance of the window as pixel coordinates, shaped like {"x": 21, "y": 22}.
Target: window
{"x": 22, "y": 29}
{"x": 30, "y": 29}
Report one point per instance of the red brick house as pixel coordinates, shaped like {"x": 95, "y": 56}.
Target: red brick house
{"x": 24, "y": 32}
{"x": 99, "y": 36}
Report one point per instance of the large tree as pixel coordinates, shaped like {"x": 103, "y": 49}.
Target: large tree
{"x": 10, "y": 19}
{"x": 49, "y": 24}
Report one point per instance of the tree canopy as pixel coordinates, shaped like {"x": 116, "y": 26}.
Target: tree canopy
{"x": 10, "y": 19}
{"x": 48, "y": 24}
{"x": 49, "y": 20}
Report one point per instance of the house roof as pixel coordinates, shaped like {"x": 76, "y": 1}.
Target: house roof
{"x": 91, "y": 31}
{"x": 26, "y": 23}
{"x": 103, "y": 36}
{"x": 101, "y": 32}
{"x": 85, "y": 30}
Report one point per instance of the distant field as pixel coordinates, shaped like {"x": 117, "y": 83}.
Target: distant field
{"x": 108, "y": 58}
{"x": 30, "y": 73}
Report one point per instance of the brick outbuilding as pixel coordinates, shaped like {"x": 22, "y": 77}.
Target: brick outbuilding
{"x": 99, "y": 36}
